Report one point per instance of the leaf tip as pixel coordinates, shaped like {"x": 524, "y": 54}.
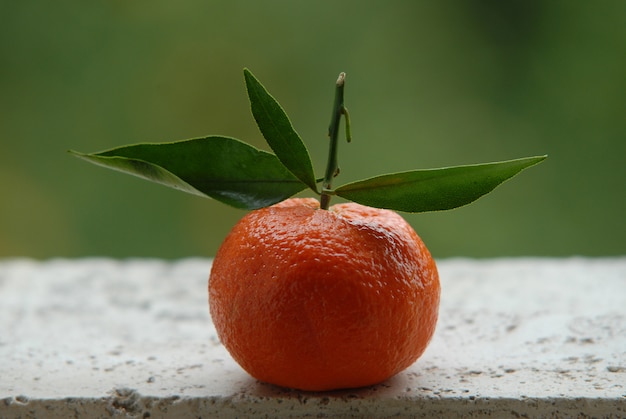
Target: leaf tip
{"x": 247, "y": 74}
{"x": 539, "y": 159}
{"x": 75, "y": 153}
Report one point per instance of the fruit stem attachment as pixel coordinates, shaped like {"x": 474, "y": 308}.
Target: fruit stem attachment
{"x": 332, "y": 168}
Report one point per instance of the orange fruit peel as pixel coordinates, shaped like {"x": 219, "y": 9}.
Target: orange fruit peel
{"x": 321, "y": 300}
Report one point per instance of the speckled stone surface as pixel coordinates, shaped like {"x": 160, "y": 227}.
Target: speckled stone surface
{"x": 95, "y": 338}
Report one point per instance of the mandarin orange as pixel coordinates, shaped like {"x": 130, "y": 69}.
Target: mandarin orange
{"x": 317, "y": 299}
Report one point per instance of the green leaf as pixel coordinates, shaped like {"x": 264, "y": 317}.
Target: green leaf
{"x": 433, "y": 189}
{"x": 222, "y": 168}
{"x": 277, "y": 130}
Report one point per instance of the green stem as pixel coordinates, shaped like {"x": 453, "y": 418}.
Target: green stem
{"x": 332, "y": 168}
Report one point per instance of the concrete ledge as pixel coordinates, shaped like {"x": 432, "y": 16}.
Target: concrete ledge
{"x": 104, "y": 338}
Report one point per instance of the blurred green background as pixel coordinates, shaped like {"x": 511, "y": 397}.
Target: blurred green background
{"x": 429, "y": 84}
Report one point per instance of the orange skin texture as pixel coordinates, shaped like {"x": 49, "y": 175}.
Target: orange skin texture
{"x": 322, "y": 300}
